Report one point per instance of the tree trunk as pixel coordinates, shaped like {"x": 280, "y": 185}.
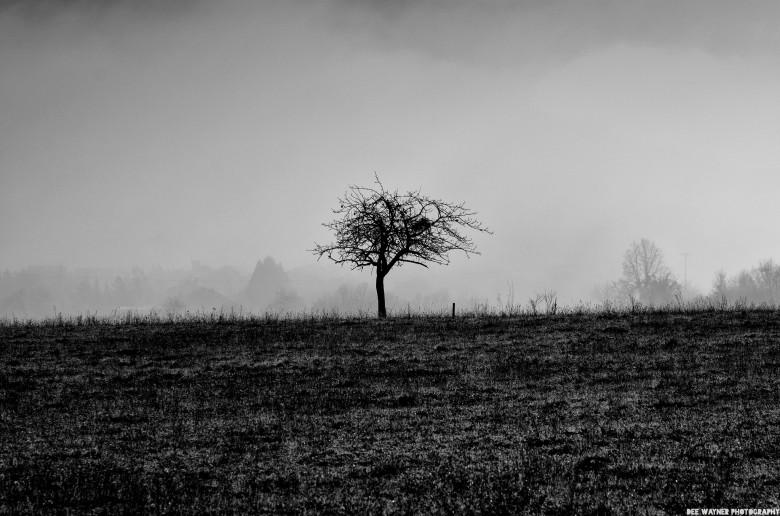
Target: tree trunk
{"x": 380, "y": 295}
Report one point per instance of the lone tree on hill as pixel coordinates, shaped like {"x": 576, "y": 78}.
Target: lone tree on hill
{"x": 381, "y": 229}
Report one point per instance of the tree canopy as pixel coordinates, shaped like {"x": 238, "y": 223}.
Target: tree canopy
{"x": 383, "y": 229}
{"x": 645, "y": 275}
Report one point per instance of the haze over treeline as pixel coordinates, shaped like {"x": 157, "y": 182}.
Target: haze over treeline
{"x": 45, "y": 291}
{"x": 41, "y": 291}
{"x": 145, "y": 134}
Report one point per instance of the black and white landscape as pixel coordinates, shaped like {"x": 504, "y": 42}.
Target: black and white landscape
{"x": 389, "y": 257}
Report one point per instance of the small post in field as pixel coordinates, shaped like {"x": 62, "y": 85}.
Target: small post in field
{"x": 453, "y": 310}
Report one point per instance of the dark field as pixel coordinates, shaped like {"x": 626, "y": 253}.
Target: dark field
{"x": 590, "y": 413}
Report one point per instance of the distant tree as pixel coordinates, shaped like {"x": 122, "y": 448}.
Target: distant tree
{"x": 173, "y": 306}
{"x": 645, "y": 275}
{"x": 287, "y": 300}
{"x": 140, "y": 288}
{"x": 267, "y": 280}
{"x": 767, "y": 276}
{"x": 719, "y": 285}
{"x": 119, "y": 293}
{"x": 87, "y": 295}
{"x": 381, "y": 229}
{"x": 761, "y": 284}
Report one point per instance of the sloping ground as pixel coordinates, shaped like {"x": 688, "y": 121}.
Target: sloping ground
{"x": 646, "y": 413}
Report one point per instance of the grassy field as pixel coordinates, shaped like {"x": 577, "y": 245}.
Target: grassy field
{"x": 649, "y": 412}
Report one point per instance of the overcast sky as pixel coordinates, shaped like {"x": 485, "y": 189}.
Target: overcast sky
{"x": 145, "y": 133}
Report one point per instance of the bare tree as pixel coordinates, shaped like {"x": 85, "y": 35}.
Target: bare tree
{"x": 645, "y": 275}
{"x": 761, "y": 284}
{"x": 719, "y": 285}
{"x": 767, "y": 276}
{"x": 382, "y": 229}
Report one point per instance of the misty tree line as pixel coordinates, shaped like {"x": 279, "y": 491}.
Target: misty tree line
{"x": 44, "y": 291}
{"x": 39, "y": 291}
{"x": 761, "y": 284}
{"x": 648, "y": 280}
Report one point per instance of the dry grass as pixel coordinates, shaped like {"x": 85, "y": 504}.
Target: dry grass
{"x": 587, "y": 413}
